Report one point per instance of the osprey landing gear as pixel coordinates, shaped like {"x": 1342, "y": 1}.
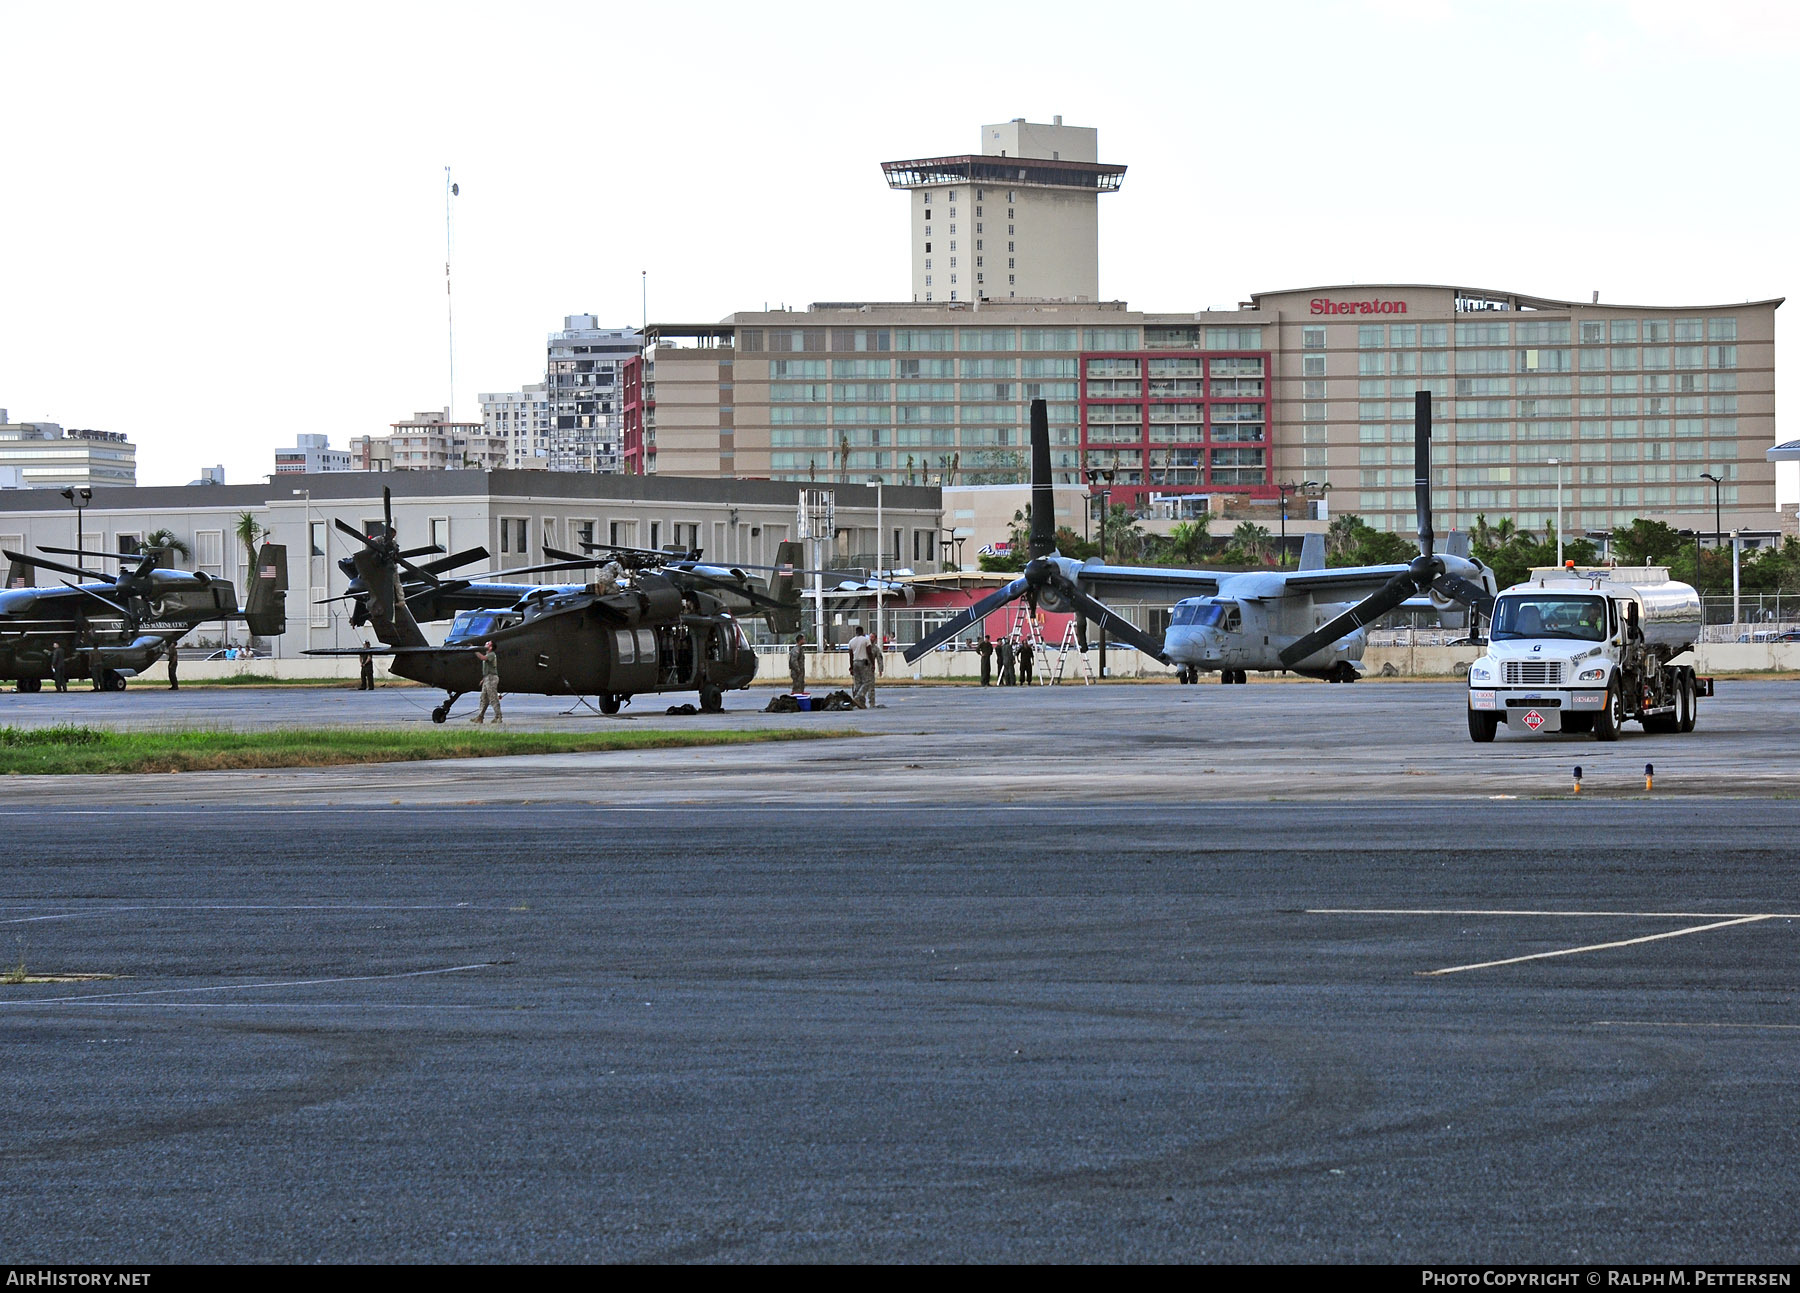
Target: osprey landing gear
{"x": 442, "y": 712}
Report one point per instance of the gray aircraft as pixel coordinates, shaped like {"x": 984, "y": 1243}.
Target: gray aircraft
{"x": 1313, "y": 621}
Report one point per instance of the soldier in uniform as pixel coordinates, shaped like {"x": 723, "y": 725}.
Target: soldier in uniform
{"x": 985, "y": 649}
{"x": 174, "y": 662}
{"x": 797, "y": 665}
{"x": 1005, "y": 651}
{"x": 1025, "y": 654}
{"x": 59, "y": 667}
{"x": 490, "y": 682}
{"x": 367, "y": 681}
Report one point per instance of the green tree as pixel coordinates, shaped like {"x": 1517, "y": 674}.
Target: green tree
{"x": 165, "y": 541}
{"x": 1646, "y": 543}
{"x": 1341, "y": 538}
{"x": 250, "y": 532}
{"x": 1187, "y": 539}
{"x": 1253, "y": 541}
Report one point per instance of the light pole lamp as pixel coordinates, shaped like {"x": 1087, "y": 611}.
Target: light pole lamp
{"x": 1286, "y": 488}
{"x": 80, "y": 496}
{"x": 1718, "y": 493}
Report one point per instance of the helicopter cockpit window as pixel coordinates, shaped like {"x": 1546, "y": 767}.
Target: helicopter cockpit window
{"x": 1199, "y": 614}
{"x": 479, "y": 624}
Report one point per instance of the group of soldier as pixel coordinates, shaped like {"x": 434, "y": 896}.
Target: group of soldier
{"x": 1009, "y": 651}
{"x": 865, "y": 663}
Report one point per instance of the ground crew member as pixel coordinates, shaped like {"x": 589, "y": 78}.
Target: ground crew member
{"x": 490, "y": 682}
{"x": 865, "y": 661}
{"x": 174, "y": 660}
{"x": 797, "y": 665}
{"x": 1005, "y": 651}
{"x": 985, "y": 649}
{"x": 1025, "y": 661}
{"x": 59, "y": 667}
{"x": 367, "y": 682}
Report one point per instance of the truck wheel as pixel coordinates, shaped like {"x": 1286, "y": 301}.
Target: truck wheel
{"x": 1482, "y": 725}
{"x": 1611, "y": 716}
{"x": 1690, "y": 700}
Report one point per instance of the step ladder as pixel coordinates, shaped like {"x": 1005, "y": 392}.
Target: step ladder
{"x": 1072, "y": 642}
{"x": 1027, "y": 627}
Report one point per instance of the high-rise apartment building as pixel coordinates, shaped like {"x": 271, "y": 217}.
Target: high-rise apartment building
{"x": 1018, "y": 220}
{"x": 522, "y": 417}
{"x": 312, "y": 453}
{"x": 582, "y": 387}
{"x": 430, "y": 441}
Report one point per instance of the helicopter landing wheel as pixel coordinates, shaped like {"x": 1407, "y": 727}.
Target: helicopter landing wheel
{"x": 441, "y": 713}
{"x": 30, "y": 685}
{"x": 712, "y": 700}
{"x": 609, "y": 703}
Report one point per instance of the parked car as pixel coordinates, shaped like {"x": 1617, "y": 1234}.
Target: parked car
{"x": 1792, "y": 635}
{"x": 241, "y": 653}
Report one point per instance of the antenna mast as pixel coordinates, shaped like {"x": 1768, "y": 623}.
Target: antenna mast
{"x": 450, "y": 191}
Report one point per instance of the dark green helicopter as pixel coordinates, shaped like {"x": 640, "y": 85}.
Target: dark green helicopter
{"x": 114, "y": 625}
{"x": 648, "y": 622}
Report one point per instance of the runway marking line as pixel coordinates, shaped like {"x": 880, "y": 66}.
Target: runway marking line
{"x": 1676, "y": 1023}
{"x": 245, "y": 987}
{"x": 1720, "y": 920}
{"x": 117, "y": 911}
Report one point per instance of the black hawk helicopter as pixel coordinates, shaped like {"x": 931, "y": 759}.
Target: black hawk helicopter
{"x": 114, "y": 625}
{"x": 648, "y": 622}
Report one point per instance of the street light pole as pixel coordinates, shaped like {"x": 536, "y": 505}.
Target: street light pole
{"x": 1718, "y": 493}
{"x": 877, "y": 482}
{"x": 1103, "y": 476}
{"x": 80, "y": 496}
{"x": 1557, "y": 463}
{"x": 1286, "y": 488}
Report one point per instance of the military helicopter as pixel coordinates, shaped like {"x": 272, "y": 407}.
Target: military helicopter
{"x": 114, "y": 625}
{"x": 648, "y": 622}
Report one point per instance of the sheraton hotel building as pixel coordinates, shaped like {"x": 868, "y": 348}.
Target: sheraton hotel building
{"x": 1631, "y": 408}
{"x": 1622, "y": 411}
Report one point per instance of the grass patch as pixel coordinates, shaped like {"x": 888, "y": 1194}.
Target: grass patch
{"x": 64, "y": 750}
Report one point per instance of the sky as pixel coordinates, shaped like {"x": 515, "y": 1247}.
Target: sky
{"x": 222, "y": 226}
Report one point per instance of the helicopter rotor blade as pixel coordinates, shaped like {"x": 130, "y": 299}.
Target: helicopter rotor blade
{"x": 1115, "y": 624}
{"x": 129, "y": 617}
{"x": 57, "y": 565}
{"x": 454, "y": 560}
{"x": 957, "y": 623}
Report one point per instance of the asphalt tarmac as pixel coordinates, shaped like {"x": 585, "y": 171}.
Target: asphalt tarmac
{"x": 1118, "y": 743}
{"x": 1027, "y": 1000}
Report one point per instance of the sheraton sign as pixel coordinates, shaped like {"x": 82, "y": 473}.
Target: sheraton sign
{"x": 1324, "y": 305}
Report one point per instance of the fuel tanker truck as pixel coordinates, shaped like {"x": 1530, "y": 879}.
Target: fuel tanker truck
{"x": 1575, "y": 650}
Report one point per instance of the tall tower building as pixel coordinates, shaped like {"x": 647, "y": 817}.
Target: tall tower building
{"x": 586, "y": 407}
{"x": 1019, "y": 219}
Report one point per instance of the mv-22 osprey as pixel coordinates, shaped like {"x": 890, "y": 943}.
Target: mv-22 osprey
{"x": 1313, "y": 621}
{"x": 648, "y": 622}
{"x": 114, "y": 625}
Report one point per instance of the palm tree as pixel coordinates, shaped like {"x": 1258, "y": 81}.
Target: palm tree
{"x": 1340, "y": 535}
{"x": 1253, "y": 540}
{"x": 250, "y": 532}
{"x": 165, "y": 541}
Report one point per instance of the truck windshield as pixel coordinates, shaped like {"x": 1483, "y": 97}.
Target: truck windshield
{"x": 1546, "y": 615}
